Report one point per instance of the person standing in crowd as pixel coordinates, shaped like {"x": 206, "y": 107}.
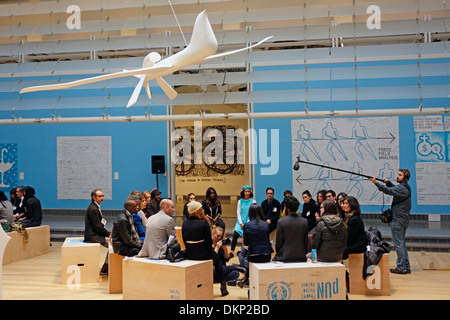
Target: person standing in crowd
{"x": 401, "y": 210}
{"x": 356, "y": 234}
{"x": 124, "y": 237}
{"x": 212, "y": 208}
{"x": 309, "y": 210}
{"x": 340, "y": 202}
{"x": 160, "y": 232}
{"x": 330, "y": 236}
{"x": 292, "y": 234}
{"x": 271, "y": 208}
{"x": 154, "y": 204}
{"x": 242, "y": 215}
{"x": 285, "y": 194}
{"x": 6, "y": 209}
{"x": 330, "y": 195}
{"x": 189, "y": 198}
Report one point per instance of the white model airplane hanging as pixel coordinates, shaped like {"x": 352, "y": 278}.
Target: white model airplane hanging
{"x": 202, "y": 47}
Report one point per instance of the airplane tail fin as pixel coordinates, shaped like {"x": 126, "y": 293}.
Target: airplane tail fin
{"x": 136, "y": 92}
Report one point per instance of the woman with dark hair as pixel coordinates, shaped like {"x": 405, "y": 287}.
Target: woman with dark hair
{"x": 340, "y": 202}
{"x": 242, "y": 214}
{"x": 330, "y": 237}
{"x": 356, "y": 234}
{"x": 256, "y": 242}
{"x": 310, "y": 209}
{"x": 189, "y": 198}
{"x": 213, "y": 209}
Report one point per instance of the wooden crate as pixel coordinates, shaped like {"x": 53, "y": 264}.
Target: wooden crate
{"x": 38, "y": 243}
{"x": 162, "y": 280}
{"x": 115, "y": 272}
{"x": 378, "y": 283}
{"x": 80, "y": 261}
{"x": 297, "y": 281}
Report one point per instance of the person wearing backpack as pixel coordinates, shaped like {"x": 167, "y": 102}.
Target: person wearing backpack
{"x": 401, "y": 211}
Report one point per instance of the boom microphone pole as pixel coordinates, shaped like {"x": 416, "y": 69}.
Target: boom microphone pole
{"x": 297, "y": 167}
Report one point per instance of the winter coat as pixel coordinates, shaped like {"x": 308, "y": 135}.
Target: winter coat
{"x": 377, "y": 247}
{"x": 330, "y": 238}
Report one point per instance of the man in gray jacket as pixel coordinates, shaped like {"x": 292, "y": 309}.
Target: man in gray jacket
{"x": 160, "y": 227}
{"x": 401, "y": 208}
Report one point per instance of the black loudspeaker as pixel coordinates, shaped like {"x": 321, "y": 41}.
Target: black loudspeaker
{"x": 158, "y": 165}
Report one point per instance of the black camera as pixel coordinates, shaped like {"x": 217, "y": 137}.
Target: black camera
{"x": 386, "y": 216}
{"x": 226, "y": 241}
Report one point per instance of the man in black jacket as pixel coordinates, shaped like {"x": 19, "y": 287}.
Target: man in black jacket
{"x": 124, "y": 236}
{"x": 271, "y": 208}
{"x": 94, "y": 225}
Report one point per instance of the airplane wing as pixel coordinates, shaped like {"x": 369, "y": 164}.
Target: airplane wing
{"x": 219, "y": 55}
{"x": 142, "y": 71}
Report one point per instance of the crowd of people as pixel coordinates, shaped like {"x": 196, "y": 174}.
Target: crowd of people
{"x": 23, "y": 207}
{"x": 330, "y": 223}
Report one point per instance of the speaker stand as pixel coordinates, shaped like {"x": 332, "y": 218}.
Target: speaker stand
{"x": 157, "y": 182}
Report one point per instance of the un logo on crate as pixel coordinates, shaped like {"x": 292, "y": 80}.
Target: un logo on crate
{"x": 279, "y": 291}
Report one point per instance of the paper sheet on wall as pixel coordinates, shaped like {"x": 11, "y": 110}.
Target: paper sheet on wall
{"x": 432, "y": 148}
{"x": 366, "y": 146}
{"x": 83, "y": 164}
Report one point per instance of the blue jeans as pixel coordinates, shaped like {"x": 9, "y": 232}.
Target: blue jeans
{"x": 398, "y": 237}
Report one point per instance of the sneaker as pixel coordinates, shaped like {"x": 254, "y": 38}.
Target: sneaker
{"x": 398, "y": 271}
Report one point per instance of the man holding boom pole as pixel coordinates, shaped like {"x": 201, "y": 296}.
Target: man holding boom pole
{"x": 401, "y": 207}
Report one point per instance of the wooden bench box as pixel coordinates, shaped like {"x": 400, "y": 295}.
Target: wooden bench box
{"x": 376, "y": 284}
{"x": 38, "y": 243}
{"x": 145, "y": 279}
{"x": 78, "y": 256}
{"x": 297, "y": 281}
{"x": 115, "y": 271}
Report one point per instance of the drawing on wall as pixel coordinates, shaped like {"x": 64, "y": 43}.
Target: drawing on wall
{"x": 432, "y": 145}
{"x": 213, "y": 144}
{"x": 360, "y": 145}
{"x": 8, "y": 167}
{"x": 84, "y": 164}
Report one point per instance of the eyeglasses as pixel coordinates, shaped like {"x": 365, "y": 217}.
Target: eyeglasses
{"x": 100, "y": 196}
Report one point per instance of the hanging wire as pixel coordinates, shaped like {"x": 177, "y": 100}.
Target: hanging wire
{"x": 178, "y": 23}
{"x": 305, "y": 62}
{"x": 354, "y": 56}
{"x": 419, "y": 58}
